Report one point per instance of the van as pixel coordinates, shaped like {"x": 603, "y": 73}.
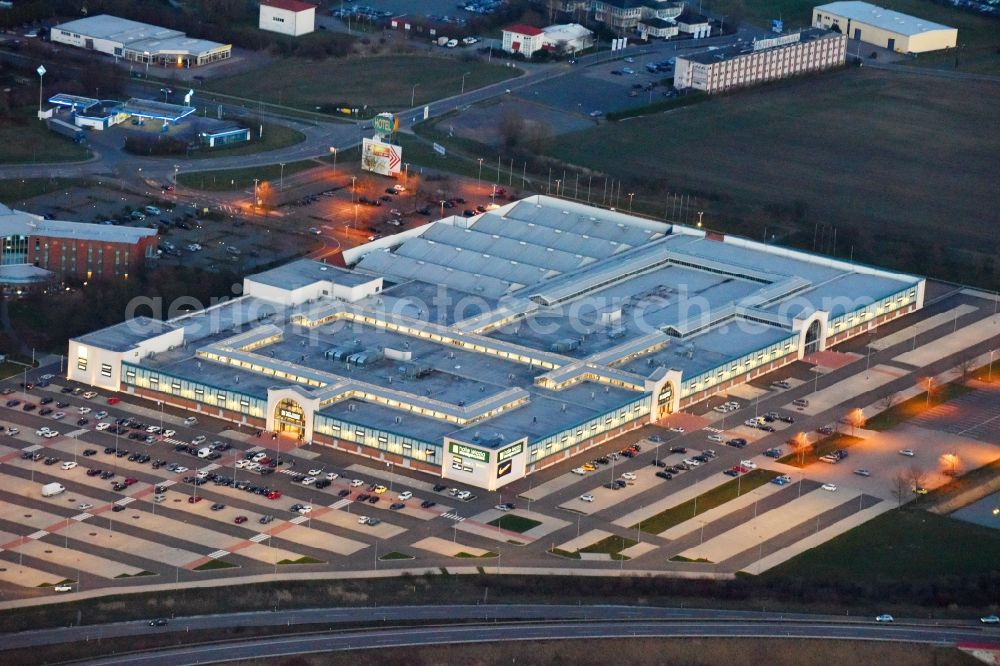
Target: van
{"x": 52, "y": 489}
{"x": 800, "y": 402}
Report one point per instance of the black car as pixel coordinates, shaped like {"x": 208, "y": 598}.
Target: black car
{"x": 426, "y": 504}
{"x": 344, "y": 493}
{"x": 44, "y": 411}
{"x": 679, "y": 449}
{"x": 89, "y": 452}
{"x": 323, "y": 483}
{"x": 468, "y": 212}
{"x": 373, "y": 499}
{"x": 45, "y": 401}
{"x": 117, "y": 507}
{"x": 107, "y": 475}
{"x": 658, "y": 463}
{"x": 66, "y": 389}
{"x": 160, "y": 621}
{"x": 786, "y": 419}
{"x": 424, "y": 211}
{"x": 665, "y": 475}
{"x": 121, "y": 453}
{"x": 109, "y": 449}
{"x": 82, "y": 422}
{"x": 62, "y": 405}
{"x": 93, "y": 471}
{"x": 439, "y": 487}
{"x": 51, "y": 460}
{"x": 397, "y": 506}
{"x": 28, "y": 407}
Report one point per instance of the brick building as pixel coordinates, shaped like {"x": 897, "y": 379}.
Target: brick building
{"x": 35, "y": 250}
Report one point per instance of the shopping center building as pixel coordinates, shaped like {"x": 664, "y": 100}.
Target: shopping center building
{"x": 483, "y": 349}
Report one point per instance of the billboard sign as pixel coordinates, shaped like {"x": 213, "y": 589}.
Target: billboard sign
{"x": 381, "y": 158}
{"x": 761, "y": 44}
{"x": 510, "y": 452}
{"x": 505, "y": 468}
{"x": 439, "y": 149}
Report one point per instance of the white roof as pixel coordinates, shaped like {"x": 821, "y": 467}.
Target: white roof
{"x": 880, "y": 17}
{"x": 18, "y": 223}
{"x": 140, "y": 37}
{"x": 567, "y": 31}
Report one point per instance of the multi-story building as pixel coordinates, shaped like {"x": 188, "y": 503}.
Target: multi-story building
{"x": 483, "y": 349}
{"x": 884, "y": 27}
{"x": 764, "y": 60}
{"x": 523, "y": 39}
{"x": 563, "y": 39}
{"x": 35, "y": 250}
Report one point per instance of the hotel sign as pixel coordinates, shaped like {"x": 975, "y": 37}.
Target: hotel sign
{"x": 469, "y": 452}
{"x": 761, "y": 44}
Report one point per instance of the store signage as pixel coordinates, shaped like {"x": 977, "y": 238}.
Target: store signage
{"x": 469, "y": 452}
{"x": 510, "y": 452}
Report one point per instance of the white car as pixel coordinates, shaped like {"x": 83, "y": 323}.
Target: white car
{"x": 579, "y": 470}
{"x": 169, "y": 433}
{"x": 180, "y": 469}
{"x": 884, "y": 617}
{"x": 715, "y": 438}
{"x": 691, "y": 462}
{"x": 502, "y": 507}
{"x": 198, "y": 440}
{"x": 309, "y": 480}
{"x": 84, "y": 506}
{"x": 69, "y": 464}
{"x": 362, "y": 520}
{"x": 357, "y": 483}
{"x": 464, "y": 495}
{"x": 63, "y": 588}
{"x": 41, "y": 431}
{"x": 260, "y": 455}
{"x": 100, "y": 415}
{"x": 50, "y": 434}
{"x": 90, "y": 395}
{"x": 201, "y": 474}
{"x": 676, "y": 429}
{"x": 252, "y": 467}
{"x": 152, "y": 430}
{"x": 587, "y": 498}
{"x": 13, "y": 431}
{"x": 990, "y": 619}
{"x": 749, "y": 464}
{"x": 405, "y": 495}
{"x": 241, "y": 463}
{"x": 59, "y": 415}
{"x": 831, "y": 488}
{"x": 315, "y": 472}
{"x": 906, "y": 452}
{"x": 47, "y": 377}
{"x": 85, "y": 410}
{"x": 330, "y": 476}
{"x": 306, "y": 509}
{"x": 103, "y": 425}
{"x": 629, "y": 476}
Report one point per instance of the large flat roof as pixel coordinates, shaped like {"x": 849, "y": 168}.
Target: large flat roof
{"x": 140, "y": 37}
{"x": 881, "y": 17}
{"x": 19, "y": 223}
{"x": 126, "y": 335}
{"x": 304, "y": 272}
{"x": 729, "y": 52}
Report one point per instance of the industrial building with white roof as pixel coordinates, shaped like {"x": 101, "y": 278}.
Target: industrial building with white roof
{"x": 482, "y": 349}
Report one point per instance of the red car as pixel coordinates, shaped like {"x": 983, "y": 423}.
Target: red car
{"x": 113, "y": 400}
{"x": 273, "y": 495}
{"x": 239, "y": 520}
{"x": 194, "y": 499}
{"x": 129, "y": 482}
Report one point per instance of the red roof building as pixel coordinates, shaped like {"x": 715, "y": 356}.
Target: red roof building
{"x": 289, "y": 17}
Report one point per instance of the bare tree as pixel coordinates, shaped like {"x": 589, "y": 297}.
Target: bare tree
{"x": 887, "y": 401}
{"x": 966, "y": 365}
{"x": 915, "y": 476}
{"x": 900, "y": 488}
{"x": 511, "y": 127}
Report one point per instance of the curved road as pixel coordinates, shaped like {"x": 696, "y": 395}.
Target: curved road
{"x": 283, "y": 646}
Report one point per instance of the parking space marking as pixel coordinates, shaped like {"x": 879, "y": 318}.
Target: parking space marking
{"x": 39, "y": 534}
{"x": 125, "y": 500}
{"x": 263, "y": 536}
{"x": 80, "y": 517}
{"x": 340, "y": 504}
{"x": 217, "y": 554}
{"x": 298, "y": 520}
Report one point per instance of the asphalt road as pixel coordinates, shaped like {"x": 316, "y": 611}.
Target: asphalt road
{"x": 488, "y": 633}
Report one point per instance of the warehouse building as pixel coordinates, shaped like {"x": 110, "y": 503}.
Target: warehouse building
{"x": 139, "y": 42}
{"x": 483, "y": 349}
{"x": 35, "y": 251}
{"x": 763, "y": 60}
{"x": 885, "y": 28}
{"x": 288, "y": 17}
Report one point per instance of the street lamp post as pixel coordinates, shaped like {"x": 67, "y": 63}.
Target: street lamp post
{"x": 41, "y": 73}
{"x": 463, "y": 81}
{"x": 255, "y": 199}
{"x": 353, "y": 179}
{"x": 281, "y": 177}
{"x": 479, "y": 178}
{"x": 413, "y": 94}
{"x": 630, "y": 195}
{"x": 989, "y": 372}
{"x": 333, "y": 149}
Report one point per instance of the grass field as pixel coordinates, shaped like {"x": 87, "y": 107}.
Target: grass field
{"x": 273, "y": 137}
{"x": 886, "y": 158}
{"x": 228, "y": 180}
{"x": 25, "y": 140}
{"x": 376, "y": 83}
{"x": 514, "y": 523}
{"x": 978, "y": 36}
{"x": 819, "y": 449}
{"x": 717, "y": 496}
{"x": 905, "y": 543}
{"x": 16, "y": 189}
{"x": 612, "y": 545}
{"x": 907, "y": 409}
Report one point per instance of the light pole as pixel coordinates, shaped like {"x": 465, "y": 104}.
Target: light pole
{"x": 177, "y": 167}
{"x": 463, "y": 82}
{"x": 41, "y": 73}
{"x": 255, "y": 200}
{"x": 479, "y": 178}
{"x": 413, "y": 94}
{"x": 630, "y": 195}
{"x": 333, "y": 149}
{"x": 353, "y": 179}
{"x": 701, "y": 214}
{"x": 281, "y": 177}
{"x": 989, "y": 372}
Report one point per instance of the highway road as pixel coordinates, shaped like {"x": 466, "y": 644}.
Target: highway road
{"x": 284, "y": 646}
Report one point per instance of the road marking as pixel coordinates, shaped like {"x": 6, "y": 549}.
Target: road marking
{"x": 77, "y": 433}
{"x": 80, "y": 517}
{"x": 257, "y": 538}
{"x": 125, "y": 500}
{"x": 341, "y": 504}
{"x": 209, "y": 468}
{"x": 32, "y": 448}
{"x": 711, "y": 429}
{"x": 217, "y": 554}
{"x": 298, "y": 520}
{"x": 453, "y": 516}
{"x": 38, "y": 535}
{"x": 167, "y": 483}
{"x": 255, "y": 449}
{"x": 175, "y": 442}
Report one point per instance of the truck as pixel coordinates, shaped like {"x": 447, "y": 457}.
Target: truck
{"x": 442, "y": 41}
{"x": 66, "y": 129}
{"x": 52, "y": 489}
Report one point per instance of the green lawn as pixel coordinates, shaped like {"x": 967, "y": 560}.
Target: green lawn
{"x": 372, "y": 84}
{"x": 819, "y": 449}
{"x": 717, "y": 496}
{"x": 26, "y": 140}
{"x": 18, "y": 189}
{"x": 903, "y": 544}
{"x": 214, "y": 564}
{"x": 227, "y": 180}
{"x": 487, "y": 554}
{"x": 907, "y": 409}
{"x": 274, "y": 137}
{"x": 611, "y": 545}
{"x": 396, "y": 555}
{"x": 305, "y": 559}
{"x": 514, "y": 523}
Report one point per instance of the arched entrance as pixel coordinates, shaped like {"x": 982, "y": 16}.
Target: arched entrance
{"x": 290, "y": 419}
{"x": 812, "y": 338}
{"x": 664, "y": 400}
